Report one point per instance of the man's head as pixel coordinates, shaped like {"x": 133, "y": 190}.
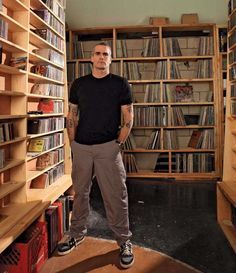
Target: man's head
{"x": 101, "y": 56}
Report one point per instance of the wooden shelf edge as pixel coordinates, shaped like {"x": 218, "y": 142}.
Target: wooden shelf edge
{"x": 228, "y": 191}
{"x": 9, "y": 187}
{"x": 52, "y": 192}
{"x": 230, "y": 233}
{"x": 21, "y": 225}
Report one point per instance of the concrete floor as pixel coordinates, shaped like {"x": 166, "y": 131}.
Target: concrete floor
{"x": 175, "y": 218}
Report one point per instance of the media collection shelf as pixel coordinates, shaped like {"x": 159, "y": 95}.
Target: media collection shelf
{"x": 33, "y": 95}
{"x": 226, "y": 189}
{"x": 173, "y": 73}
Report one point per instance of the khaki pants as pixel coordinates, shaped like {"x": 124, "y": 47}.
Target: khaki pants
{"x": 105, "y": 161}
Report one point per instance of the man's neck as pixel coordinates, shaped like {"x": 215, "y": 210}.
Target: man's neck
{"x": 97, "y": 73}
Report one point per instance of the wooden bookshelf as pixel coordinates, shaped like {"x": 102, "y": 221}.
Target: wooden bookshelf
{"x": 21, "y": 90}
{"x": 226, "y": 189}
{"x": 158, "y": 61}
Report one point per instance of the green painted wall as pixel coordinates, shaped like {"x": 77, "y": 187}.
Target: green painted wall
{"x": 93, "y": 13}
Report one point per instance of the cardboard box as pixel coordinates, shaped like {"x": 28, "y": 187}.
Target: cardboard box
{"x": 158, "y": 20}
{"x": 190, "y": 18}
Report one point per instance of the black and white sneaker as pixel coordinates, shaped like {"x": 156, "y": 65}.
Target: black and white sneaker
{"x": 69, "y": 245}
{"x": 126, "y": 255}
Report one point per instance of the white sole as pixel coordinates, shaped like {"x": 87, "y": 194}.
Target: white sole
{"x": 70, "y": 250}
{"x": 126, "y": 265}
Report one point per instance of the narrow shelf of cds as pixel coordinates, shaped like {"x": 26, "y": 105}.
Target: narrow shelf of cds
{"x": 226, "y": 189}
{"x": 173, "y": 73}
{"x": 33, "y": 141}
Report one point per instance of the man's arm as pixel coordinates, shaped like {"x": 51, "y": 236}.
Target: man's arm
{"x": 72, "y": 121}
{"x": 128, "y": 117}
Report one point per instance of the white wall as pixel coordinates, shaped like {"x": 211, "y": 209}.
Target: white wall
{"x": 93, "y": 13}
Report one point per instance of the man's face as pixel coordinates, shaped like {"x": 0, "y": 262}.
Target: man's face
{"x": 101, "y": 57}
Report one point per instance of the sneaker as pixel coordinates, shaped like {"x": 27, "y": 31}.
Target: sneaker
{"x": 69, "y": 245}
{"x": 126, "y": 255}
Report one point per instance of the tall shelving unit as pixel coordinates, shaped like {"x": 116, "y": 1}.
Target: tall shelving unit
{"x": 173, "y": 71}
{"x": 226, "y": 190}
{"x": 20, "y": 204}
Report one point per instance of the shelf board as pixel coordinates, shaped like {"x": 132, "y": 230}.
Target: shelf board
{"x": 11, "y": 218}
{"x": 42, "y": 43}
{"x": 52, "y": 192}
{"x": 12, "y": 93}
{"x": 38, "y": 4}
{"x": 30, "y": 136}
{"x": 26, "y": 214}
{"x": 11, "y": 47}
{"x": 36, "y": 97}
{"x": 228, "y": 188}
{"x": 2, "y": 117}
{"x": 15, "y": 5}
{"x": 37, "y": 22}
{"x": 230, "y": 233}
{"x": 46, "y": 115}
{"x": 172, "y": 80}
{"x": 15, "y": 140}
{"x": 9, "y": 187}
{"x": 33, "y": 174}
{"x": 39, "y": 78}
{"x": 13, "y": 25}
{"x": 176, "y": 176}
{"x": 174, "y": 127}
{"x": 187, "y": 150}
{"x": 35, "y": 58}
{"x": 172, "y": 103}
{"x": 6, "y": 69}
{"x": 11, "y": 164}
{"x": 28, "y": 158}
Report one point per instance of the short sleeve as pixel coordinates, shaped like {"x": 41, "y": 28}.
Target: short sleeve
{"x": 74, "y": 92}
{"x": 126, "y": 94}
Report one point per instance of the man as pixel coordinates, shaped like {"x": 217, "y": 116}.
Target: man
{"x": 96, "y": 140}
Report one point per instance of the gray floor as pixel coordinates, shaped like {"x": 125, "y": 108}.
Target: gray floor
{"x": 178, "y": 219}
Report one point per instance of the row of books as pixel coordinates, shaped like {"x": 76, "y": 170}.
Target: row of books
{"x": 55, "y": 8}
{"x": 50, "y": 37}
{"x": 47, "y": 106}
{"x": 2, "y": 158}
{"x": 3, "y": 29}
{"x": 7, "y": 131}
{"x": 48, "y": 71}
{"x": 48, "y": 89}
{"x": 51, "y": 20}
{"x": 170, "y": 116}
{"x": 170, "y": 93}
{"x": 231, "y": 6}
{"x": 44, "y": 125}
{"x": 199, "y": 139}
{"x": 49, "y": 159}
{"x": 48, "y": 178}
{"x": 19, "y": 62}
{"x": 50, "y": 55}
{"x": 57, "y": 217}
{"x": 39, "y": 145}
{"x": 149, "y": 46}
{"x": 132, "y": 70}
{"x": 185, "y": 162}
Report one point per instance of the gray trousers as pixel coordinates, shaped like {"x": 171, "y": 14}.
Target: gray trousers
{"x": 105, "y": 161}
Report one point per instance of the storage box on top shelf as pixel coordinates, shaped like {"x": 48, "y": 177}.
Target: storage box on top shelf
{"x": 189, "y": 18}
{"x": 158, "y": 21}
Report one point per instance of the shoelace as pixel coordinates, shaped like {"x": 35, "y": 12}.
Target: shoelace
{"x": 126, "y": 249}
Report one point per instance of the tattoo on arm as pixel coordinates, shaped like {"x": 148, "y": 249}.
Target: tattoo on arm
{"x": 73, "y": 108}
{"x": 129, "y": 108}
{"x": 128, "y": 124}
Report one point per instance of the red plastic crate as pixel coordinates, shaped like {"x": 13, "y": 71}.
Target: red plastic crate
{"x": 28, "y": 253}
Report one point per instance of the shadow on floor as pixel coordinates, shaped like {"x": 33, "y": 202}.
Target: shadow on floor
{"x": 175, "y": 218}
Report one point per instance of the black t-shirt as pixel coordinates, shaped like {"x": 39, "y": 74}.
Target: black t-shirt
{"x": 99, "y": 102}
